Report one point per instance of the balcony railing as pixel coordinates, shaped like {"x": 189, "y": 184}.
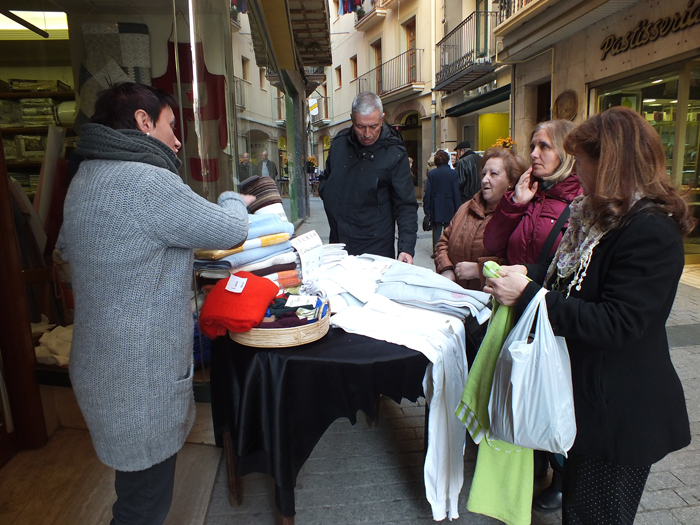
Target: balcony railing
{"x": 399, "y": 72}
{"x": 239, "y": 88}
{"x": 322, "y": 111}
{"x": 467, "y": 52}
{"x": 507, "y": 8}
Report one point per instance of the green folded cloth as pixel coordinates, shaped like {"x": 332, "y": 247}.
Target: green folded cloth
{"x": 503, "y": 479}
{"x": 473, "y": 409}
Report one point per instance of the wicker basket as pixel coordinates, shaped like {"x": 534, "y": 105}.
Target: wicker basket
{"x": 285, "y": 337}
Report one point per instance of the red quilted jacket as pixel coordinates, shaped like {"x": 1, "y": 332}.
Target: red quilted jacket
{"x": 518, "y": 231}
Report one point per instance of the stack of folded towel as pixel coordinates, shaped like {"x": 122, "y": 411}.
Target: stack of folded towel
{"x": 267, "y": 250}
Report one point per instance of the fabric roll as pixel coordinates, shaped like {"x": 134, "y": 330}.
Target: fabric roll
{"x": 263, "y": 189}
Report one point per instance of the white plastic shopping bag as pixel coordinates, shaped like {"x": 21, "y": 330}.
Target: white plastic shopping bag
{"x": 532, "y": 400}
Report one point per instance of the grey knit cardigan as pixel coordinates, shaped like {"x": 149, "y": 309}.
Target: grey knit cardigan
{"x": 130, "y": 227}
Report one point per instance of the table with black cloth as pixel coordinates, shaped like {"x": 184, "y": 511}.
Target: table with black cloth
{"x": 271, "y": 406}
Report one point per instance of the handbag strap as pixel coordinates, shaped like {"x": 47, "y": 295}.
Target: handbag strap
{"x": 553, "y": 234}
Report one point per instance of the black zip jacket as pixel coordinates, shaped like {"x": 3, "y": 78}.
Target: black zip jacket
{"x": 366, "y": 190}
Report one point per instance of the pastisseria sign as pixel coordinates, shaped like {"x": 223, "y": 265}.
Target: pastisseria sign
{"x": 646, "y": 31}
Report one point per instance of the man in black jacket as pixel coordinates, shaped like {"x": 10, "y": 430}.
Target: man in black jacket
{"x": 468, "y": 169}
{"x": 367, "y": 187}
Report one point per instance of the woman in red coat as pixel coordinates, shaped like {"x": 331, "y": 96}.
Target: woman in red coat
{"x": 612, "y": 283}
{"x": 526, "y": 215}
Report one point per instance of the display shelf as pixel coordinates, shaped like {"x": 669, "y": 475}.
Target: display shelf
{"x": 33, "y": 129}
{"x": 24, "y": 164}
{"x": 14, "y": 95}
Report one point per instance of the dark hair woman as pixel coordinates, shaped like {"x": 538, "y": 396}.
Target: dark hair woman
{"x": 441, "y": 199}
{"x": 612, "y": 284}
{"x": 130, "y": 227}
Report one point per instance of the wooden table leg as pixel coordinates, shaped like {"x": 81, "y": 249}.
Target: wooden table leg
{"x": 286, "y": 520}
{"x": 235, "y": 493}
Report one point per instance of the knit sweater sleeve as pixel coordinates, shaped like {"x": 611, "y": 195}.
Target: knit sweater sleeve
{"x": 178, "y": 217}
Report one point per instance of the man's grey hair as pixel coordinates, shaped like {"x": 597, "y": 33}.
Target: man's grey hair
{"x": 366, "y": 103}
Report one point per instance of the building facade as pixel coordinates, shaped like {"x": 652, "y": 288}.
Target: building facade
{"x": 575, "y": 58}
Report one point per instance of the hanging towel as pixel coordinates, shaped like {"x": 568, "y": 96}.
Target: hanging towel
{"x": 503, "y": 479}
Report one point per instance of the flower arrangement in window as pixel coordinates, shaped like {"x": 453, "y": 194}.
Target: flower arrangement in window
{"x": 285, "y": 160}
{"x": 311, "y": 161}
{"x": 505, "y": 143}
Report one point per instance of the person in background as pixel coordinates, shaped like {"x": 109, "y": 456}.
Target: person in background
{"x": 526, "y": 228}
{"x": 245, "y": 168}
{"x": 266, "y": 168}
{"x": 611, "y": 286}
{"x": 367, "y": 188}
{"x": 460, "y": 253}
{"x": 129, "y": 232}
{"x": 441, "y": 199}
{"x": 414, "y": 175}
{"x": 468, "y": 167}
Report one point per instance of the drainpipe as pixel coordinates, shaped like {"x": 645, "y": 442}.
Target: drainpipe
{"x": 432, "y": 78}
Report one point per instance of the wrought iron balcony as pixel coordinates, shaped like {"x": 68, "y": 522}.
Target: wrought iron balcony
{"x": 508, "y": 8}
{"x": 396, "y": 78}
{"x": 371, "y": 18}
{"x": 467, "y": 52}
{"x": 239, "y": 87}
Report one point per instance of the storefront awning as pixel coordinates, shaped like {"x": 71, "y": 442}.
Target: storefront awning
{"x": 500, "y": 94}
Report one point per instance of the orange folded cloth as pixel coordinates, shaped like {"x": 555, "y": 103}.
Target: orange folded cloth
{"x": 238, "y": 312}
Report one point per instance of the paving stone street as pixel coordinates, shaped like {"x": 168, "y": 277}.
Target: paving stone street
{"x": 358, "y": 474}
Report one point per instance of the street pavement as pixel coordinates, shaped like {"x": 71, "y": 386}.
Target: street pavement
{"x": 358, "y": 474}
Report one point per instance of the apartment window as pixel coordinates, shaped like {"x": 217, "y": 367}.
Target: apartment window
{"x": 339, "y": 77}
{"x": 353, "y": 67}
{"x": 262, "y": 78}
{"x": 245, "y": 63}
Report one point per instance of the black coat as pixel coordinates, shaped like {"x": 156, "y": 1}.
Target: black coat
{"x": 366, "y": 191}
{"x": 468, "y": 169}
{"x": 441, "y": 200}
{"x": 629, "y": 402}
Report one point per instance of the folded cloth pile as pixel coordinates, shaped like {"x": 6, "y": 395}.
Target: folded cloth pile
{"x": 268, "y": 235}
{"x": 238, "y": 312}
{"x": 265, "y": 191}
{"x": 415, "y": 286}
{"x": 54, "y": 346}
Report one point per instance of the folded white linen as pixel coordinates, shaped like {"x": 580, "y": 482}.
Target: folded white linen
{"x": 440, "y": 338}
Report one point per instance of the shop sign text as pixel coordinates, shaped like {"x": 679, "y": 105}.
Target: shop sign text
{"x": 645, "y": 31}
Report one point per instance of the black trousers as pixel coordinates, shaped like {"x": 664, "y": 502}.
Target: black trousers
{"x": 144, "y": 496}
{"x": 597, "y": 492}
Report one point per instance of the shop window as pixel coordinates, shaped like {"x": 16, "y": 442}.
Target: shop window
{"x": 656, "y": 97}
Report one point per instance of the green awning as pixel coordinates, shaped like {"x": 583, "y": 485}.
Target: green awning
{"x": 488, "y": 99}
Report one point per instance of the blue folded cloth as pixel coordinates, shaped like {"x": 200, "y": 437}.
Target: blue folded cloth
{"x": 267, "y": 224}
{"x": 245, "y": 257}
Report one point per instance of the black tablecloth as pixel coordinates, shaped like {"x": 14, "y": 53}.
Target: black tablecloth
{"x": 277, "y": 403}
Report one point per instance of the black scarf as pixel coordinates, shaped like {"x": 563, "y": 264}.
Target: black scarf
{"x": 102, "y": 142}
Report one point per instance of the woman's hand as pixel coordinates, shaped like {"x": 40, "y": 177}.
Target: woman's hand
{"x": 467, "y": 270}
{"x": 248, "y": 199}
{"x": 507, "y": 288}
{"x": 449, "y": 274}
{"x": 526, "y": 188}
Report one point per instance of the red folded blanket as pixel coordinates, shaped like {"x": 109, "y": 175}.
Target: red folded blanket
{"x": 238, "y": 312}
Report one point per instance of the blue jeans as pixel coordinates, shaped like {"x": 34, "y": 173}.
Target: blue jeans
{"x": 144, "y": 496}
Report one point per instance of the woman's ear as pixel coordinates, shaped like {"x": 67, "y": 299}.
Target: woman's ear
{"x": 143, "y": 121}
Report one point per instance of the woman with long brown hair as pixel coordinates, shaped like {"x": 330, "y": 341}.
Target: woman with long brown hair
{"x": 612, "y": 283}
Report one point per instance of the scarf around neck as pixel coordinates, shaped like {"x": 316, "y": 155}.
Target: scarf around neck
{"x": 573, "y": 255}
{"x": 102, "y": 142}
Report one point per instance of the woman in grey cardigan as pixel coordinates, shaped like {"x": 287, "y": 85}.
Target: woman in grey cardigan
{"x": 130, "y": 227}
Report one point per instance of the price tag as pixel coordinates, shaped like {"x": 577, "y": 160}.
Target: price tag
{"x": 236, "y": 284}
{"x": 310, "y": 250}
{"x": 295, "y": 301}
